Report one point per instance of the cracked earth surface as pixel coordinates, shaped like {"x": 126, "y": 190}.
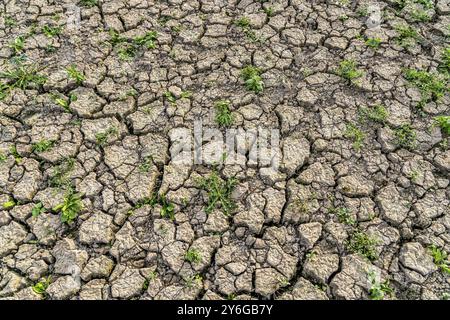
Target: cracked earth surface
{"x": 354, "y": 211}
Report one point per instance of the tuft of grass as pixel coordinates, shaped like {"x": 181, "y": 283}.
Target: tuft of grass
{"x": 373, "y": 43}
{"x": 70, "y": 207}
{"x": 440, "y": 258}
{"x": 170, "y": 97}
{"x": 15, "y": 154}
{"x": 224, "y": 117}
{"x": 51, "y": 32}
{"x": 193, "y": 256}
{"x": 252, "y": 77}
{"x": 3, "y": 157}
{"x": 102, "y": 137}
{"x": 343, "y": 215}
{"x": 41, "y": 286}
{"x": 42, "y": 146}
{"x": 432, "y": 86}
{"x": 74, "y": 74}
{"x": 405, "y": 137}
{"x": 348, "y": 70}
{"x": 242, "y": 22}
{"x": 37, "y": 209}
{"x": 146, "y": 164}
{"x": 127, "y": 48}
{"x": 445, "y": 64}
{"x": 377, "y": 113}
{"x": 89, "y": 3}
{"x": 444, "y": 123}
{"x": 21, "y": 76}
{"x": 361, "y": 243}
{"x": 355, "y": 134}
{"x": 219, "y": 192}
{"x": 407, "y": 36}
{"x": 379, "y": 290}
{"x": 17, "y": 45}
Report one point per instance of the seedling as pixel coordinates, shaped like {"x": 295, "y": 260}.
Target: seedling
{"x": 445, "y": 64}
{"x": 146, "y": 164}
{"x": 37, "y": 209}
{"x": 373, "y": 43}
{"x": 219, "y": 192}
{"x": 252, "y": 78}
{"x": 70, "y": 207}
{"x": 170, "y": 97}
{"x": 405, "y": 137}
{"x": 3, "y": 157}
{"x": 20, "y": 76}
{"x": 354, "y": 133}
{"x": 224, "y": 116}
{"x": 284, "y": 282}
{"x": 51, "y": 31}
{"x": 128, "y": 47}
{"x": 444, "y": 123}
{"x": 431, "y": 86}
{"x": 167, "y": 208}
{"x": 102, "y": 137}
{"x": 377, "y": 113}
{"x": 15, "y": 154}
{"x": 75, "y": 75}
{"x": 347, "y": 70}
{"x": 379, "y": 290}
{"x": 440, "y": 258}
{"x": 407, "y": 36}
{"x": 189, "y": 282}
{"x": 9, "y": 204}
{"x": 18, "y": 44}
{"x": 344, "y": 216}
{"x": 42, "y": 146}
{"x": 89, "y": 3}
{"x": 193, "y": 256}
{"x": 420, "y": 15}
{"x": 362, "y": 244}
{"x": 41, "y": 286}
{"x": 64, "y": 103}
{"x": 147, "y": 40}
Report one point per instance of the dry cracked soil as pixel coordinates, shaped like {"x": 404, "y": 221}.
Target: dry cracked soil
{"x": 96, "y": 94}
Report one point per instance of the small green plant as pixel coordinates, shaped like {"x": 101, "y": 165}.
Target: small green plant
{"x": 252, "y": 77}
{"x": 43, "y": 145}
{"x": 20, "y": 76}
{"x": 70, "y": 207}
{"x": 242, "y": 22}
{"x": 170, "y": 97}
{"x": 41, "y": 286}
{"x": 51, "y": 31}
{"x": 377, "y": 113}
{"x": 407, "y": 36}
{"x": 432, "y": 86}
{"x": 405, "y": 137}
{"x": 75, "y": 75}
{"x": 127, "y": 48}
{"x": 219, "y": 192}
{"x": 379, "y": 290}
{"x": 348, "y": 70}
{"x": 354, "y": 133}
{"x": 361, "y": 243}
{"x": 420, "y": 15}
{"x": 193, "y": 256}
{"x": 15, "y": 154}
{"x": 3, "y": 157}
{"x": 102, "y": 137}
{"x": 146, "y": 164}
{"x": 224, "y": 117}
{"x": 147, "y": 40}
{"x": 373, "y": 43}
{"x": 440, "y": 258}
{"x": 10, "y": 22}
{"x": 283, "y": 281}
{"x": 9, "y": 204}
{"x": 167, "y": 208}
{"x": 344, "y": 216}
{"x": 444, "y": 123}
{"x": 89, "y": 3}
{"x": 18, "y": 44}
{"x": 192, "y": 281}
{"x": 445, "y": 64}
{"x": 37, "y": 209}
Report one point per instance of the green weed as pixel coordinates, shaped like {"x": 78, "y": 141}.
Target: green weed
{"x": 70, "y": 207}
{"x": 405, "y": 137}
{"x": 379, "y": 290}
{"x": 61, "y": 172}
{"x": 355, "y": 134}
{"x": 18, "y": 44}
{"x": 224, "y": 117}
{"x": 432, "y": 86}
{"x": 361, "y": 243}
{"x": 219, "y": 192}
{"x": 193, "y": 256}
{"x": 444, "y": 123}
{"x": 21, "y": 76}
{"x": 89, "y": 3}
{"x": 9, "y": 204}
{"x": 41, "y": 286}
{"x": 377, "y": 113}
{"x": 407, "y": 36}
{"x": 348, "y": 70}
{"x": 373, "y": 43}
{"x": 75, "y": 75}
{"x": 252, "y": 77}
{"x": 440, "y": 258}
{"x": 42, "y": 146}
{"x": 51, "y": 31}
{"x": 102, "y": 137}
{"x": 37, "y": 209}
